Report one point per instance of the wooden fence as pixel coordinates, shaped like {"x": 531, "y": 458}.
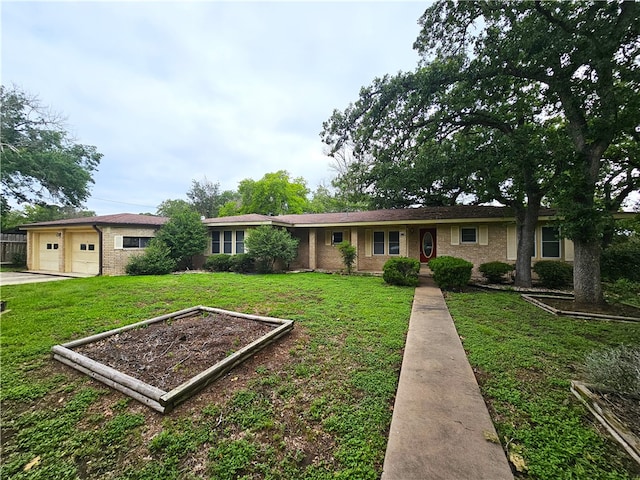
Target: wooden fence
{"x": 12, "y": 244}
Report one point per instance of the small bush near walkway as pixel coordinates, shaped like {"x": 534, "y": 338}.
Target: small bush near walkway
{"x": 451, "y": 273}
{"x": 402, "y": 271}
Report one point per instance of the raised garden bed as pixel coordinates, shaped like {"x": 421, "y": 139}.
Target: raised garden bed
{"x": 163, "y": 361}
{"x": 563, "y": 305}
{"x": 618, "y": 424}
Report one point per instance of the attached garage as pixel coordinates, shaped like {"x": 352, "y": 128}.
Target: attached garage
{"x": 83, "y": 252}
{"x": 89, "y": 245}
{"x": 47, "y": 252}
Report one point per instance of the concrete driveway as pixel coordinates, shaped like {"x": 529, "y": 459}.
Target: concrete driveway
{"x": 18, "y": 278}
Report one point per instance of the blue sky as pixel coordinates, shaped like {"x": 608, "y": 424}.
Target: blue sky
{"x": 171, "y": 92}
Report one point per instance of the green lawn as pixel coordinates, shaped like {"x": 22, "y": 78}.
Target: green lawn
{"x": 319, "y": 410}
{"x": 525, "y": 359}
{"x": 323, "y": 412}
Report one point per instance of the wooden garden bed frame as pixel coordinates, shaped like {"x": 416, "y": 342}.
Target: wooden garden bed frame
{"x": 154, "y": 397}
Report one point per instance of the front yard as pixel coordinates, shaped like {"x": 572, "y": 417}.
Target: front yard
{"x": 315, "y": 405}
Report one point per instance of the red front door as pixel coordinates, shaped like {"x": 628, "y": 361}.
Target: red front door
{"x": 427, "y": 244}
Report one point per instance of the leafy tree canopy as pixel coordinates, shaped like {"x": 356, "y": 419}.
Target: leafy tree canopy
{"x": 206, "y": 197}
{"x": 511, "y": 101}
{"x": 185, "y": 235}
{"x": 170, "y": 208}
{"x": 274, "y": 194}
{"x": 40, "y": 162}
{"x": 268, "y": 245}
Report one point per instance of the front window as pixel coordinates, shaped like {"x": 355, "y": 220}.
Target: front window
{"x": 228, "y": 242}
{"x": 394, "y": 243}
{"x": 133, "y": 242}
{"x": 550, "y": 242}
{"x": 378, "y": 243}
{"x": 336, "y": 238}
{"x": 468, "y": 235}
{"x": 239, "y": 241}
{"x": 215, "y": 242}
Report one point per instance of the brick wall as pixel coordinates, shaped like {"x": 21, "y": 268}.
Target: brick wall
{"x": 115, "y": 260}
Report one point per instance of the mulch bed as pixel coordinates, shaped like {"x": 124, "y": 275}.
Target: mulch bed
{"x": 169, "y": 353}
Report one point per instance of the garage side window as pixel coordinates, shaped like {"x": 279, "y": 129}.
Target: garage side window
{"x": 135, "y": 242}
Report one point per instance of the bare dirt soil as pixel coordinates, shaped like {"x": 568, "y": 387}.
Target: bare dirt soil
{"x": 169, "y": 353}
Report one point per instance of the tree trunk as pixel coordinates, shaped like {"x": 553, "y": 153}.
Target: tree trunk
{"x": 586, "y": 272}
{"x": 526, "y": 222}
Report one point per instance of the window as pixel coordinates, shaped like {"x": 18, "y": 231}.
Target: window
{"x": 468, "y": 235}
{"x": 52, "y": 246}
{"x": 92, "y": 247}
{"x": 550, "y": 242}
{"x": 239, "y": 241}
{"x": 227, "y": 242}
{"x": 83, "y": 246}
{"x": 134, "y": 242}
{"x": 394, "y": 243}
{"x": 336, "y": 238}
{"x": 378, "y": 243}
{"x": 215, "y": 241}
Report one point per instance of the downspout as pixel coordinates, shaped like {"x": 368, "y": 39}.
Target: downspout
{"x": 95, "y": 227}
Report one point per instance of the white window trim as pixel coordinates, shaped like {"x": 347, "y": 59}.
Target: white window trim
{"x": 222, "y": 241}
{"x": 475, "y": 229}
{"x": 542, "y": 242}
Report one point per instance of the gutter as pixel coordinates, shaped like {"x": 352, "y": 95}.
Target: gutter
{"x": 95, "y": 227}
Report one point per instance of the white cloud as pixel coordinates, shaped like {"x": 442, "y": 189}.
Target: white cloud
{"x": 171, "y": 92}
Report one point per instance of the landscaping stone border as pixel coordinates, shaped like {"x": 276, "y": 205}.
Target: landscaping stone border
{"x": 156, "y": 398}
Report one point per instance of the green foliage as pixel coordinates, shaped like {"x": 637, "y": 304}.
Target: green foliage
{"x": 267, "y": 425}
{"x": 554, "y": 273}
{"x": 155, "y": 260}
{"x": 273, "y": 194}
{"x": 185, "y": 235}
{"x": 623, "y": 291}
{"x": 242, "y": 263}
{"x": 218, "y": 263}
{"x": 268, "y": 245}
{"x": 616, "y": 369}
{"x": 524, "y": 358}
{"x": 621, "y": 260}
{"x": 39, "y": 160}
{"x": 171, "y": 208}
{"x": 348, "y": 253}
{"x": 494, "y": 272}
{"x": 206, "y": 197}
{"x": 451, "y": 273}
{"x": 401, "y": 271}
{"x": 19, "y": 259}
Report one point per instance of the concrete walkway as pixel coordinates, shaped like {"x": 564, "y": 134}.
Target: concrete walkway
{"x": 440, "y": 422}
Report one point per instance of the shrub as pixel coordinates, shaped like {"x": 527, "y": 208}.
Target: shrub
{"x": 156, "y": 260}
{"x": 494, "y": 272}
{"x": 267, "y": 245}
{"x": 185, "y": 235}
{"x": 621, "y": 260}
{"x": 242, "y": 263}
{"x": 19, "y": 259}
{"x": 218, "y": 263}
{"x": 623, "y": 290}
{"x": 451, "y": 273}
{"x": 554, "y": 273}
{"x": 401, "y": 271}
{"x": 616, "y": 369}
{"x": 348, "y": 253}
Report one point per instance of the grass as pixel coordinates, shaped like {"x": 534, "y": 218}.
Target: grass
{"x": 323, "y": 413}
{"x": 525, "y": 359}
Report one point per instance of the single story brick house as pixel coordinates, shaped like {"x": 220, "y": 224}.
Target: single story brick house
{"x": 102, "y": 245}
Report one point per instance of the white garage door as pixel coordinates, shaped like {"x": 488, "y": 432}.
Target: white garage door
{"x": 85, "y": 253}
{"x": 48, "y": 252}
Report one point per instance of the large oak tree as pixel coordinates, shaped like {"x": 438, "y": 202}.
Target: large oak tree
{"x": 518, "y": 98}
{"x": 41, "y": 164}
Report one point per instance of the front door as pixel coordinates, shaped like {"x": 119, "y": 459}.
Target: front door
{"x": 427, "y": 244}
